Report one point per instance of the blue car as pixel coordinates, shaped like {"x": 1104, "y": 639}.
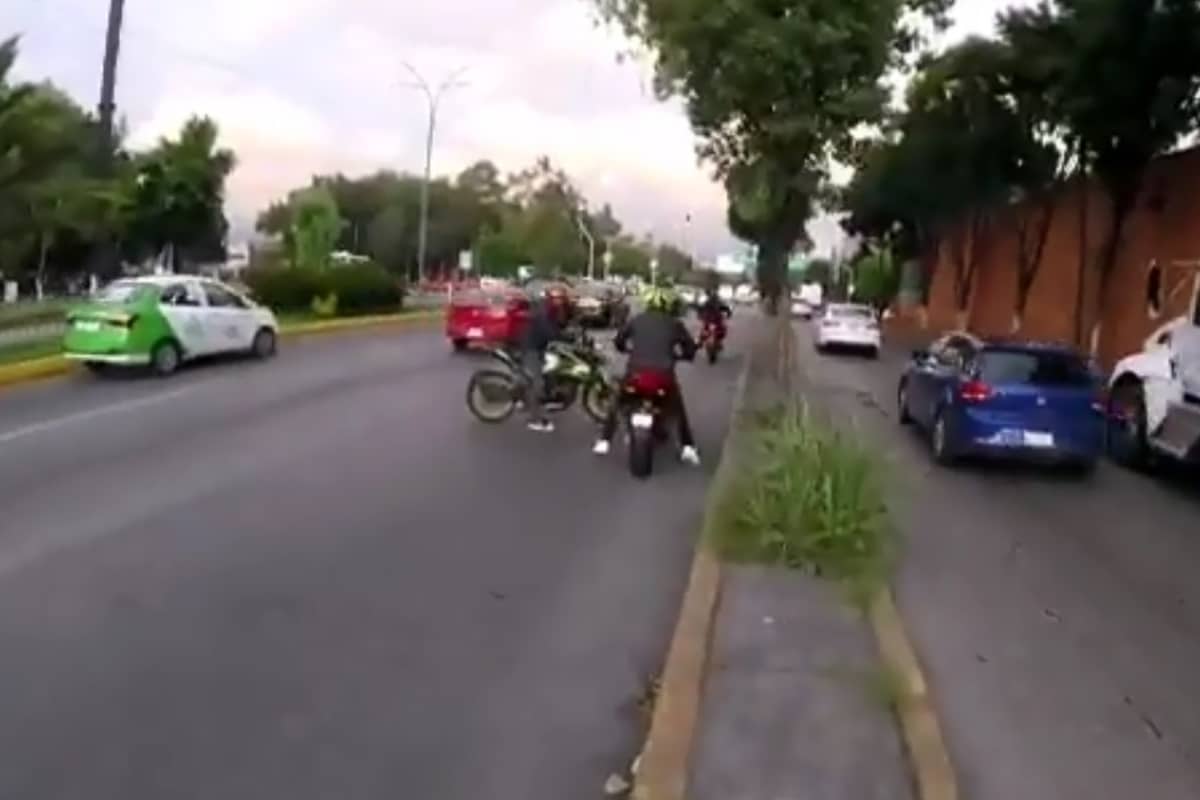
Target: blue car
{"x": 1039, "y": 402}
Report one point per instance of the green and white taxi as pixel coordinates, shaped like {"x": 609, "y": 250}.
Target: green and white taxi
{"x": 161, "y": 321}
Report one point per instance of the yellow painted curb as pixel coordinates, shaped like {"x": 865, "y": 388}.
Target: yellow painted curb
{"x": 662, "y": 770}
{"x": 55, "y": 366}
{"x": 931, "y": 763}
{"x": 33, "y": 370}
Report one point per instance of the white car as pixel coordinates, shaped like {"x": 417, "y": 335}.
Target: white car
{"x": 849, "y": 326}
{"x": 801, "y": 309}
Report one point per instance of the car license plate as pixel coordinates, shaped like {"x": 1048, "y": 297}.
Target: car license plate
{"x": 474, "y": 333}
{"x": 87, "y": 325}
{"x": 642, "y": 420}
{"x": 1038, "y": 439}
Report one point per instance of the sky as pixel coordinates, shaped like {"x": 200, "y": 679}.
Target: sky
{"x": 301, "y": 87}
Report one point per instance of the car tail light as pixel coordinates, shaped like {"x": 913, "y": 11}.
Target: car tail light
{"x": 975, "y": 392}
{"x": 124, "y": 322}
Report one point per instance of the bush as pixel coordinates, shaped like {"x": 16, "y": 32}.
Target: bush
{"x": 354, "y": 289}
{"x": 363, "y": 289}
{"x": 811, "y": 499}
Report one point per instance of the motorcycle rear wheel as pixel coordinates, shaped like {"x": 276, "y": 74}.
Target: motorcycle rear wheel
{"x": 492, "y": 396}
{"x": 641, "y": 453}
{"x": 713, "y": 352}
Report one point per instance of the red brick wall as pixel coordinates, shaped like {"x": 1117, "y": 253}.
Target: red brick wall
{"x": 1165, "y": 226}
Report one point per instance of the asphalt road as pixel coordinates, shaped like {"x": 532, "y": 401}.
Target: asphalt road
{"x": 320, "y": 578}
{"x": 1058, "y": 617}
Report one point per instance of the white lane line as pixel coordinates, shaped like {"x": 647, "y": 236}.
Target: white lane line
{"x": 81, "y": 416}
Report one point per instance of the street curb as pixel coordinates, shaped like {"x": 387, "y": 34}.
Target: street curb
{"x": 661, "y": 771}
{"x": 932, "y": 767}
{"x": 56, "y": 366}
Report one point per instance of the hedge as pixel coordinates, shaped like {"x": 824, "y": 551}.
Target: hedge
{"x": 358, "y": 289}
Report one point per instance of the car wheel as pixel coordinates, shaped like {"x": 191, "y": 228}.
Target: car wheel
{"x": 460, "y": 345}
{"x": 265, "y": 344}
{"x": 902, "y": 405}
{"x": 97, "y": 368}
{"x": 939, "y": 441}
{"x": 165, "y": 358}
{"x": 1083, "y": 468}
{"x": 875, "y": 353}
{"x": 1127, "y": 438}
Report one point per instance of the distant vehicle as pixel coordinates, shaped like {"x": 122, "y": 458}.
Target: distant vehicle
{"x": 745, "y": 293}
{"x": 1154, "y": 396}
{"x": 600, "y": 304}
{"x": 801, "y": 308}
{"x": 163, "y": 320}
{"x": 1034, "y": 401}
{"x": 848, "y": 326}
{"x": 483, "y": 317}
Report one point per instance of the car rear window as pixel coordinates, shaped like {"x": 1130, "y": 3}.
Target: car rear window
{"x": 1038, "y": 369}
{"x": 124, "y": 292}
{"x": 851, "y": 312}
{"x": 478, "y": 298}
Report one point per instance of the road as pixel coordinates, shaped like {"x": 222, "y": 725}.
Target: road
{"x": 1058, "y": 617}
{"x": 319, "y": 578}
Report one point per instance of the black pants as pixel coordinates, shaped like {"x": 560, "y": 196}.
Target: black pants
{"x": 534, "y": 362}
{"x": 674, "y": 406}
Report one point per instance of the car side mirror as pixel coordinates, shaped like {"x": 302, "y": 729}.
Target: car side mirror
{"x": 920, "y": 354}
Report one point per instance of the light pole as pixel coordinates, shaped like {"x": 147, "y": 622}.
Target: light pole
{"x": 591, "y": 241}
{"x": 435, "y": 97}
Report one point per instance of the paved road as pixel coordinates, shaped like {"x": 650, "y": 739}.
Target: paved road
{"x": 1059, "y": 618}
{"x": 318, "y": 578}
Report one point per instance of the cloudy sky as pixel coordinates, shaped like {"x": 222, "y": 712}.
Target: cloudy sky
{"x": 306, "y": 86}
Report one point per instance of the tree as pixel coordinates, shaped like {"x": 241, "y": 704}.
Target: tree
{"x": 1124, "y": 77}
{"x": 774, "y": 89}
{"x": 178, "y": 196}
{"x": 876, "y": 278}
{"x": 819, "y": 271}
{"x": 316, "y": 226}
{"x": 389, "y": 239}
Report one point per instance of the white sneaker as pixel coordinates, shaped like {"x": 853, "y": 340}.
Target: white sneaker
{"x": 601, "y": 447}
{"x": 546, "y": 426}
{"x": 689, "y": 455}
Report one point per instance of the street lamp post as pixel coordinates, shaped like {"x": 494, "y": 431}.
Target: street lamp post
{"x": 434, "y": 97}
{"x": 591, "y": 241}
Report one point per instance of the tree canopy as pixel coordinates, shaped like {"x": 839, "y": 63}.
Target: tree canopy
{"x": 528, "y": 218}
{"x": 56, "y": 205}
{"x": 775, "y": 91}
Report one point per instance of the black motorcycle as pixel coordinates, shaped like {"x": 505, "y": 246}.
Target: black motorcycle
{"x": 572, "y": 371}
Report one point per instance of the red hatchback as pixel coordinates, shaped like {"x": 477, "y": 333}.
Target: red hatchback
{"x": 481, "y": 317}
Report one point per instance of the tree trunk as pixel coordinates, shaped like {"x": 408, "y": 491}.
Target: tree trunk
{"x": 1080, "y": 294}
{"x": 1124, "y": 195}
{"x": 772, "y": 274}
{"x": 39, "y": 281}
{"x": 1030, "y": 253}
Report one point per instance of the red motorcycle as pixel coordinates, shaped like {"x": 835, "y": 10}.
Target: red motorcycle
{"x": 646, "y": 407}
{"x": 712, "y": 338}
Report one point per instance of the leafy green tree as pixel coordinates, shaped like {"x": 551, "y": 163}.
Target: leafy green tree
{"x": 876, "y": 278}
{"x": 389, "y": 240}
{"x": 316, "y": 226}
{"x": 775, "y": 89}
{"x": 820, "y": 271}
{"x": 178, "y": 196}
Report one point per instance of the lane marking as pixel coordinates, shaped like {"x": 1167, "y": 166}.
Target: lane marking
{"x": 128, "y": 405}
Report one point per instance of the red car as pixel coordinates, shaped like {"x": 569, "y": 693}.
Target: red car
{"x": 486, "y": 317}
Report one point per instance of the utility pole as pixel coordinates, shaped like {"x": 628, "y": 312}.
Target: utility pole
{"x": 434, "y": 96}
{"x": 108, "y": 80}
{"x": 104, "y": 257}
{"x": 591, "y": 241}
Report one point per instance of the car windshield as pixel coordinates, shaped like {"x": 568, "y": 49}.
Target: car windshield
{"x": 123, "y": 292}
{"x": 851, "y": 312}
{"x": 1034, "y": 368}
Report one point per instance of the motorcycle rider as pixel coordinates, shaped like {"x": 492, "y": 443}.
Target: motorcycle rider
{"x": 549, "y": 314}
{"x": 659, "y": 338}
{"x": 714, "y": 311}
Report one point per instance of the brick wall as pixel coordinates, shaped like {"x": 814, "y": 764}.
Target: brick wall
{"x": 1164, "y": 228}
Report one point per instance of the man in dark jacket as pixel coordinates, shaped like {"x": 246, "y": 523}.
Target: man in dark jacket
{"x": 547, "y": 320}
{"x": 659, "y": 338}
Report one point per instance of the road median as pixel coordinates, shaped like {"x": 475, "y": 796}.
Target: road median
{"x": 56, "y": 366}
{"x": 790, "y": 665}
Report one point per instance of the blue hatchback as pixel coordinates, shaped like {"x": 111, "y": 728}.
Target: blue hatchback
{"x": 1036, "y": 401}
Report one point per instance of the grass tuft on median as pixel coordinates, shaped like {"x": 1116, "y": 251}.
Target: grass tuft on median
{"x": 808, "y": 498}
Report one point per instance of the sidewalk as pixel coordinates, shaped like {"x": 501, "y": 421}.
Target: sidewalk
{"x": 795, "y": 705}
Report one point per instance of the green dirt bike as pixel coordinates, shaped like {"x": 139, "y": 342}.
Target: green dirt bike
{"x": 574, "y": 371}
